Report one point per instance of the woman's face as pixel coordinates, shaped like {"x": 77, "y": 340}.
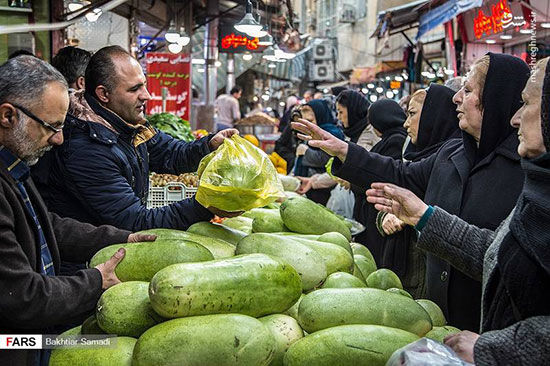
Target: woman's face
{"x": 413, "y": 118}
{"x": 307, "y": 113}
{"x": 342, "y": 114}
{"x": 527, "y": 119}
{"x": 468, "y": 105}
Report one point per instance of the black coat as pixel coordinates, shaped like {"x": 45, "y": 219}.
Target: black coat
{"x": 31, "y": 303}
{"x": 364, "y": 212}
{"x": 387, "y": 117}
{"x": 482, "y": 195}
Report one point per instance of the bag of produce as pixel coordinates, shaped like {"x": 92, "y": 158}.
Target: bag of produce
{"x": 238, "y": 176}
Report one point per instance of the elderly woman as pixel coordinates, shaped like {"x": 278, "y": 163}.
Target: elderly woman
{"x": 513, "y": 261}
{"x": 478, "y": 177}
{"x": 431, "y": 121}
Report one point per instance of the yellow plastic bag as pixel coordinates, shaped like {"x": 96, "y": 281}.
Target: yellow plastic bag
{"x": 237, "y": 177}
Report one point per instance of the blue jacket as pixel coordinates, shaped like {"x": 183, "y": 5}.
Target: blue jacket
{"x": 98, "y": 176}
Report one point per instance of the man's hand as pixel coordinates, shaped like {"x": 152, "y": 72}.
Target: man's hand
{"x": 392, "y": 224}
{"x": 399, "y": 201}
{"x": 305, "y": 186}
{"x": 137, "y": 238}
{"x": 463, "y": 344}
{"x": 221, "y": 213}
{"x": 107, "y": 269}
{"x": 218, "y": 138}
{"x": 317, "y": 137}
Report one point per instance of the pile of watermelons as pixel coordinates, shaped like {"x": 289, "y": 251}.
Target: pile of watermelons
{"x": 277, "y": 286}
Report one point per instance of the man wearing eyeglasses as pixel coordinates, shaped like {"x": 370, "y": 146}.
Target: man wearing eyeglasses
{"x": 34, "y": 299}
{"x": 100, "y": 174}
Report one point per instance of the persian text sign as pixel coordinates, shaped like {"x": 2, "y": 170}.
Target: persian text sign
{"x": 173, "y": 72}
{"x": 500, "y": 18}
{"x": 232, "y": 41}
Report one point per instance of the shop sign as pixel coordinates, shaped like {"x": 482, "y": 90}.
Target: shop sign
{"x": 497, "y": 21}
{"x": 232, "y": 41}
{"x": 169, "y": 74}
{"x": 395, "y": 84}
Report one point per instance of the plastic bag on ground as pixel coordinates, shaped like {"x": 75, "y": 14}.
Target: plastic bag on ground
{"x": 341, "y": 201}
{"x": 426, "y": 352}
{"x": 238, "y": 176}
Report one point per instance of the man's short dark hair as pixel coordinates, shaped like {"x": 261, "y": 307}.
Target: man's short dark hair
{"x": 101, "y": 69}
{"x": 236, "y": 89}
{"x": 71, "y": 62}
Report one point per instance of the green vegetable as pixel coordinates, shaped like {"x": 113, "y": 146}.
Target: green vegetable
{"x": 326, "y": 308}
{"x": 254, "y": 285}
{"x": 210, "y": 340}
{"x": 358, "y": 345}
{"x": 172, "y": 125}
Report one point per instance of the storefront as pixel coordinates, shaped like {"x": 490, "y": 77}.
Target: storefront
{"x": 519, "y": 28}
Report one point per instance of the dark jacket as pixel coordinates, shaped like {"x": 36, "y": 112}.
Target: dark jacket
{"x": 31, "y": 302}
{"x": 483, "y": 195}
{"x": 480, "y": 184}
{"x": 438, "y": 123}
{"x": 387, "y": 117}
{"x": 99, "y": 176}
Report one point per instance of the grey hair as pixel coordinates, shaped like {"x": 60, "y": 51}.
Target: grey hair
{"x": 23, "y": 80}
{"x": 454, "y": 83}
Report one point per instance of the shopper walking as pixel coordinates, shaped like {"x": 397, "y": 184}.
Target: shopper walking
{"x": 227, "y": 108}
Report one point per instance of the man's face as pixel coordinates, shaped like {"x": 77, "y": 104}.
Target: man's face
{"x": 129, "y": 95}
{"x": 29, "y": 140}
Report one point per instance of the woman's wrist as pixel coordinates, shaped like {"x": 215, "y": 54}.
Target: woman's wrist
{"x": 421, "y": 220}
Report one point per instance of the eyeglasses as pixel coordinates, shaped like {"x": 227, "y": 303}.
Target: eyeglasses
{"x": 36, "y": 119}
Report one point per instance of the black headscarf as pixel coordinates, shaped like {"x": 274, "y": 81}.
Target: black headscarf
{"x": 386, "y": 115}
{"x": 521, "y": 286}
{"x": 358, "y": 107}
{"x": 325, "y": 117}
{"x": 438, "y": 123}
{"x": 501, "y": 99}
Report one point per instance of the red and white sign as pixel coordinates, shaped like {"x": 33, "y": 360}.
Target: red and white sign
{"x": 494, "y": 17}
{"x": 173, "y": 72}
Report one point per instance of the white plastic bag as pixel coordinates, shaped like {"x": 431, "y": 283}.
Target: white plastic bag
{"x": 341, "y": 201}
{"x": 426, "y": 352}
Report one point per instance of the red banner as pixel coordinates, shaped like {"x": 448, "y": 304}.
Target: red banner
{"x": 173, "y": 72}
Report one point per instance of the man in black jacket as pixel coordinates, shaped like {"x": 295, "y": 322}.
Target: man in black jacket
{"x": 100, "y": 175}
{"x": 33, "y": 104}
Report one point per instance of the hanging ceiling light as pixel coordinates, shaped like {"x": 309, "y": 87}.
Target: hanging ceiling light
{"x": 183, "y": 38}
{"x": 267, "y": 40}
{"x": 175, "y": 47}
{"x": 271, "y": 66}
{"x": 94, "y": 15}
{"x": 172, "y": 34}
{"x": 248, "y": 24}
{"x": 258, "y": 34}
{"x": 76, "y": 5}
{"x": 247, "y": 56}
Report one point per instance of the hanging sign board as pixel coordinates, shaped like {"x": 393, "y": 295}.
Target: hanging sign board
{"x": 494, "y": 17}
{"x": 169, "y": 74}
{"x": 232, "y": 41}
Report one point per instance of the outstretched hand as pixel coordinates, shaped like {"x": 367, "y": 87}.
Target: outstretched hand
{"x": 399, "y": 201}
{"x": 317, "y": 137}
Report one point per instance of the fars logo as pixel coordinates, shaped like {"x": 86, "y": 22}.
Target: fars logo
{"x": 20, "y": 341}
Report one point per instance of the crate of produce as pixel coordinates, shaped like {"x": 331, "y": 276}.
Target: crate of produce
{"x": 165, "y": 189}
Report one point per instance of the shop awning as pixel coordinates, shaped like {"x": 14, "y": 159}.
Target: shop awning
{"x": 399, "y": 18}
{"x": 362, "y": 75}
{"x": 444, "y": 13}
